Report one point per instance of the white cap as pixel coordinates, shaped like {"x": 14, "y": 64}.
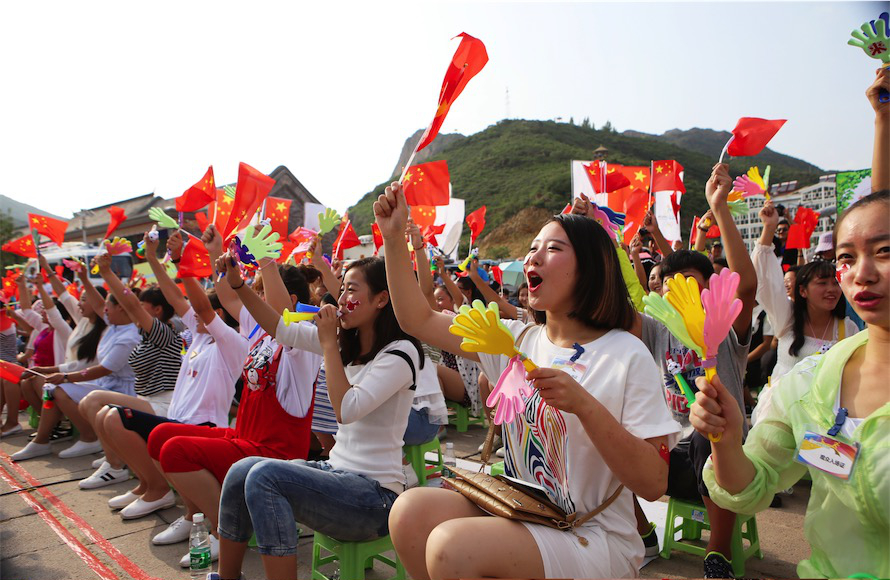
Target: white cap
{"x": 197, "y": 518}
{"x": 826, "y": 242}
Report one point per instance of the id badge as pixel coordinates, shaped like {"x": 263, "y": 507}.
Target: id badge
{"x": 828, "y": 454}
{"x": 574, "y": 369}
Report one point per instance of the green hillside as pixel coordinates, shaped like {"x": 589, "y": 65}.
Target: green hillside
{"x": 517, "y": 164}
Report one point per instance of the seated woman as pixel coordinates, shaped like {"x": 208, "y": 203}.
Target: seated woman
{"x": 835, "y": 400}
{"x": 155, "y": 362}
{"x": 372, "y": 367}
{"x": 204, "y": 391}
{"x": 597, "y": 380}
{"x": 110, "y": 372}
{"x": 275, "y": 412}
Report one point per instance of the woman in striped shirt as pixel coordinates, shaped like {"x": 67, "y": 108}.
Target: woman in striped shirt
{"x": 155, "y": 362}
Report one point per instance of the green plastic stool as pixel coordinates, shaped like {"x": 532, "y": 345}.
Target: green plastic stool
{"x": 694, "y": 519}
{"x": 461, "y": 418}
{"x": 354, "y": 557}
{"x": 416, "y": 457}
{"x": 34, "y": 419}
{"x": 497, "y": 468}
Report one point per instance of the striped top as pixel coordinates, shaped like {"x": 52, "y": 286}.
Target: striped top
{"x": 156, "y": 360}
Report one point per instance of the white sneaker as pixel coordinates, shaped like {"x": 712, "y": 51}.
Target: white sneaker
{"x": 141, "y": 508}
{"x": 176, "y": 532}
{"x": 13, "y": 431}
{"x": 119, "y": 502}
{"x": 497, "y": 443}
{"x": 105, "y": 475}
{"x": 186, "y": 560}
{"x": 31, "y": 450}
{"x": 81, "y": 448}
{"x": 97, "y": 463}
{"x": 499, "y": 452}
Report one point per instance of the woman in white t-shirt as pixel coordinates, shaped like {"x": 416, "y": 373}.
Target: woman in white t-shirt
{"x": 813, "y": 321}
{"x": 372, "y": 368}
{"x": 597, "y": 392}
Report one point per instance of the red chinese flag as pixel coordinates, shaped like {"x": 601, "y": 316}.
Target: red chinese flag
{"x": 221, "y": 209}
{"x": 10, "y": 288}
{"x": 635, "y": 207}
{"x": 347, "y": 238}
{"x": 797, "y": 238}
{"x": 614, "y": 180}
{"x": 287, "y": 248}
{"x": 60, "y": 271}
{"x": 378, "y": 237}
{"x": 423, "y": 215}
{"x": 52, "y": 228}
{"x": 713, "y": 232}
{"x": 195, "y": 260}
{"x": 202, "y": 220}
{"x": 751, "y": 135}
{"x": 497, "y": 274}
{"x": 198, "y": 195}
{"x": 428, "y": 184}
{"x": 23, "y": 246}
{"x": 567, "y": 208}
{"x": 476, "y": 221}
{"x": 278, "y": 212}
{"x": 74, "y": 290}
{"x": 250, "y": 192}
{"x": 468, "y": 60}
{"x": 5, "y": 321}
{"x": 694, "y": 231}
{"x": 667, "y": 176}
{"x": 430, "y": 233}
{"x": 117, "y": 217}
{"x": 807, "y": 218}
{"x": 11, "y": 372}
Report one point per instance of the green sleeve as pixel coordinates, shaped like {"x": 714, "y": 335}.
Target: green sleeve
{"x": 634, "y": 288}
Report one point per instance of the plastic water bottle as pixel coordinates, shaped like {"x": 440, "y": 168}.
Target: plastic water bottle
{"x": 199, "y": 548}
{"x": 448, "y": 460}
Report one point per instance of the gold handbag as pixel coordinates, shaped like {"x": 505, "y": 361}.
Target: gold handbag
{"x": 498, "y": 496}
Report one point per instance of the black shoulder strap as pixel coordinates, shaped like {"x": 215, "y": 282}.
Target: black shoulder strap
{"x": 404, "y": 356}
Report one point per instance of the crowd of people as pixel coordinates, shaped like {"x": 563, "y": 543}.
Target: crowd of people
{"x": 202, "y": 387}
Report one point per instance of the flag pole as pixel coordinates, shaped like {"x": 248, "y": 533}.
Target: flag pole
{"x": 725, "y": 148}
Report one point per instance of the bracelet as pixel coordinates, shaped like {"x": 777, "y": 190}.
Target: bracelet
{"x": 237, "y": 287}
{"x": 175, "y": 260}
{"x": 65, "y": 377}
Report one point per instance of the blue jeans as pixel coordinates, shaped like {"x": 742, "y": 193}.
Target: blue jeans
{"x": 419, "y": 430}
{"x": 268, "y": 496}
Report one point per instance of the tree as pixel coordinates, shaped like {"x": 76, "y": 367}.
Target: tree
{"x": 608, "y": 127}
{"x": 571, "y": 120}
{"x": 7, "y": 232}
{"x": 586, "y": 123}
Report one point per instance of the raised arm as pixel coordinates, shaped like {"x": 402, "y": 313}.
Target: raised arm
{"x": 24, "y": 293}
{"x": 717, "y": 190}
{"x": 424, "y": 276}
{"x": 122, "y": 294}
{"x": 329, "y": 279}
{"x": 880, "y": 165}
{"x": 412, "y": 311}
{"x": 93, "y": 298}
{"x": 636, "y": 245}
{"x": 199, "y": 300}
{"x": 165, "y": 283}
{"x": 58, "y": 286}
{"x": 456, "y": 295}
{"x": 507, "y": 310}
{"x": 651, "y": 224}
{"x": 213, "y": 242}
{"x": 770, "y": 286}
{"x": 265, "y": 315}
{"x": 701, "y": 239}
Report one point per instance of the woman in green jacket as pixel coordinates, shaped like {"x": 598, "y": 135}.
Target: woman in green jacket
{"x": 828, "y": 416}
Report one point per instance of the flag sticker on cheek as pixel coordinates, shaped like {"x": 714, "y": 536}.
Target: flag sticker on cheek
{"x": 840, "y": 270}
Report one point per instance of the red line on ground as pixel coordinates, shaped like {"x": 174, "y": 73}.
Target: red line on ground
{"x": 90, "y": 559}
{"x": 132, "y": 569}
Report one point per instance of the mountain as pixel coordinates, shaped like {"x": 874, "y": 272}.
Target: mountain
{"x": 518, "y": 164}
{"x": 19, "y": 211}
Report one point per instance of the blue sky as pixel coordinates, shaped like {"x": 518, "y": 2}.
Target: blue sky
{"x": 105, "y": 101}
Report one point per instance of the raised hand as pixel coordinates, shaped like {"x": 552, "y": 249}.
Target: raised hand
{"x": 174, "y": 245}
{"x": 160, "y": 216}
{"x": 327, "y": 221}
{"x": 508, "y": 396}
{"x": 769, "y": 216}
{"x": 227, "y": 265}
{"x": 263, "y": 243}
{"x": 212, "y": 240}
{"x": 718, "y": 186}
{"x": 873, "y": 41}
{"x": 414, "y": 235}
{"x": 391, "y": 212}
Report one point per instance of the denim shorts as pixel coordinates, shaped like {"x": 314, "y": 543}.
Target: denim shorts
{"x": 268, "y": 496}
{"x": 419, "y": 430}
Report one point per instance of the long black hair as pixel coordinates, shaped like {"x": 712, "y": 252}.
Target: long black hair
{"x": 88, "y": 344}
{"x": 386, "y": 327}
{"x": 155, "y": 297}
{"x": 464, "y": 283}
{"x": 818, "y": 270}
{"x": 602, "y": 300}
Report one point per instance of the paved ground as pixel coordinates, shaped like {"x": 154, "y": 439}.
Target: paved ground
{"x": 60, "y": 532}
